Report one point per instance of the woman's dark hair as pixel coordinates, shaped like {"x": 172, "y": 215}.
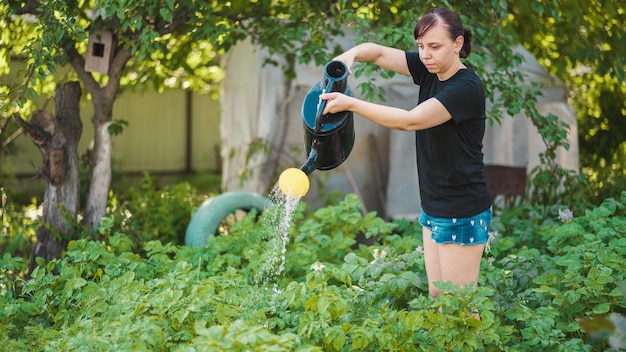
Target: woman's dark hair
{"x": 450, "y": 20}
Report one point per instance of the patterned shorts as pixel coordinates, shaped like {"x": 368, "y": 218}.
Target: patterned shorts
{"x": 463, "y": 231}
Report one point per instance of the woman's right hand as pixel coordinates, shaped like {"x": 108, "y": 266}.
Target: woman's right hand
{"x": 337, "y": 102}
{"x": 347, "y": 58}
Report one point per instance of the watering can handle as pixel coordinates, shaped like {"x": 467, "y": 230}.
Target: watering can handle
{"x": 320, "y": 107}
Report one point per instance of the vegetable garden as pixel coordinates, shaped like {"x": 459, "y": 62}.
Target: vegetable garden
{"x": 551, "y": 282}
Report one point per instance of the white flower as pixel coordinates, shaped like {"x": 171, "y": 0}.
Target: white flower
{"x": 357, "y": 288}
{"x": 565, "y": 215}
{"x": 317, "y": 266}
{"x": 379, "y": 254}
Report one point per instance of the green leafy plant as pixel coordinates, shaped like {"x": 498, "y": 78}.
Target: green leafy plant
{"x": 332, "y": 293}
{"x": 18, "y": 226}
{"x": 146, "y": 212}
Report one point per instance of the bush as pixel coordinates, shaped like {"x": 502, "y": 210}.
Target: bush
{"x": 145, "y": 212}
{"x": 324, "y": 292}
{"x": 18, "y": 227}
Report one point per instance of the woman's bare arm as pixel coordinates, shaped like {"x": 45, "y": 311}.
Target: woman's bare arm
{"x": 428, "y": 114}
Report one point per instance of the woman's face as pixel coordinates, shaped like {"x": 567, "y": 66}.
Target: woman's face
{"x": 438, "y": 52}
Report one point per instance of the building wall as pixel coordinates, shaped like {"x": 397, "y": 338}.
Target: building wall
{"x": 156, "y": 139}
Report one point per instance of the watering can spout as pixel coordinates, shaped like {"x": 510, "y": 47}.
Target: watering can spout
{"x": 311, "y": 163}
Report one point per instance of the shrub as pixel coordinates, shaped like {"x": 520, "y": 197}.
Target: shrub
{"x": 18, "y": 227}
{"x": 147, "y": 213}
{"x": 327, "y": 293}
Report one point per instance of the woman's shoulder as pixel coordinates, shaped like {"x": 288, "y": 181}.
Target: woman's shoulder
{"x": 417, "y": 69}
{"x": 465, "y": 86}
{"x": 468, "y": 73}
{"x": 466, "y": 76}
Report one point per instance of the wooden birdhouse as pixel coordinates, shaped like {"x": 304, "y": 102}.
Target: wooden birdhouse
{"x": 99, "y": 52}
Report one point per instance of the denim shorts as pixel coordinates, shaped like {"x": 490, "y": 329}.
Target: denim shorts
{"x": 463, "y": 231}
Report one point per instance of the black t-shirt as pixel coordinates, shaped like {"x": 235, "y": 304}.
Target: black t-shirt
{"x": 449, "y": 156}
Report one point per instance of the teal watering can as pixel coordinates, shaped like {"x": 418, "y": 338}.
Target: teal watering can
{"x": 329, "y": 138}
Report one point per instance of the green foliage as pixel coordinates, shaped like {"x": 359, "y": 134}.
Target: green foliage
{"x": 332, "y": 294}
{"x": 568, "y": 272}
{"x": 18, "y": 226}
{"x": 148, "y": 213}
{"x": 329, "y": 234}
{"x": 592, "y": 68}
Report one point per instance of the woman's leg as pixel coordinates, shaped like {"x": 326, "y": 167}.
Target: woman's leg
{"x": 450, "y": 262}
{"x": 431, "y": 261}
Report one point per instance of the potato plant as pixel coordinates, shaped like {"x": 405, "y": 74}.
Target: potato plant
{"x": 560, "y": 287}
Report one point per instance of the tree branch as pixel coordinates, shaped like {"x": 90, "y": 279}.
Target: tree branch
{"x": 116, "y": 70}
{"x": 12, "y": 137}
{"x": 30, "y": 7}
{"x": 37, "y": 133}
{"x": 181, "y": 15}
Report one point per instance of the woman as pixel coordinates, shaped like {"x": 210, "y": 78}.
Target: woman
{"x": 449, "y": 125}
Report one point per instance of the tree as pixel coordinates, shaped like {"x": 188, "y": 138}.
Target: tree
{"x": 584, "y": 44}
{"x": 57, "y": 138}
{"x": 180, "y": 40}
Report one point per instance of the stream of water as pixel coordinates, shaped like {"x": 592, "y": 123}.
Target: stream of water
{"x": 272, "y": 261}
{"x": 280, "y": 213}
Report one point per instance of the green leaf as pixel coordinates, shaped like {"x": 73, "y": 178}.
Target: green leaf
{"x": 75, "y": 283}
{"x": 602, "y": 308}
{"x": 622, "y": 287}
{"x": 335, "y": 337}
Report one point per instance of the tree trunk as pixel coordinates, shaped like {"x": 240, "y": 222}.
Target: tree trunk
{"x": 100, "y": 157}
{"x": 100, "y": 175}
{"x": 57, "y": 138}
